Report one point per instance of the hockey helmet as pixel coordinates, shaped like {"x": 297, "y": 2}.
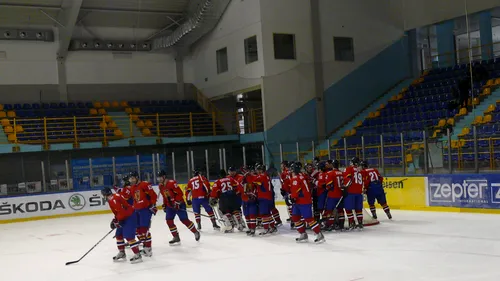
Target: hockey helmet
{"x": 296, "y": 168}
{"x": 125, "y": 180}
{"x": 162, "y": 173}
{"x": 335, "y": 163}
{"x": 196, "y": 172}
{"x": 363, "y": 164}
{"x": 106, "y": 192}
{"x": 355, "y": 161}
{"x": 232, "y": 169}
{"x": 285, "y": 164}
{"x": 133, "y": 174}
{"x": 322, "y": 165}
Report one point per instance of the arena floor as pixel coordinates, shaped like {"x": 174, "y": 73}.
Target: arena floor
{"x": 414, "y": 246}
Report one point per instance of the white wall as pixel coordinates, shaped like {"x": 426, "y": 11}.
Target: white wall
{"x": 240, "y": 21}
{"x": 28, "y": 63}
{"x": 84, "y": 67}
{"x": 372, "y": 29}
{"x": 288, "y": 84}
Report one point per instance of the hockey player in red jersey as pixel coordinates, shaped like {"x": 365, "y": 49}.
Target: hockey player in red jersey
{"x": 301, "y": 197}
{"x": 145, "y": 207}
{"x": 335, "y": 189}
{"x": 174, "y": 205}
{"x": 375, "y": 190}
{"x": 353, "y": 180}
{"x": 125, "y": 223}
{"x": 285, "y": 187}
{"x": 250, "y": 208}
{"x": 125, "y": 191}
{"x": 197, "y": 193}
{"x": 225, "y": 192}
{"x": 237, "y": 214}
{"x": 265, "y": 199}
{"x": 275, "y": 214}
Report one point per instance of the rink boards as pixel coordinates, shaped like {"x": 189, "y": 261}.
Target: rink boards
{"x": 456, "y": 193}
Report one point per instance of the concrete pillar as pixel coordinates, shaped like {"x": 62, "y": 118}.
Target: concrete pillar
{"x": 179, "y": 68}
{"x": 318, "y": 69}
{"x": 61, "y": 78}
{"x": 486, "y": 35}
{"x": 413, "y": 53}
{"x": 446, "y": 43}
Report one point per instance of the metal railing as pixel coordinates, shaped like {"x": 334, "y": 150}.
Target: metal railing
{"x": 105, "y": 128}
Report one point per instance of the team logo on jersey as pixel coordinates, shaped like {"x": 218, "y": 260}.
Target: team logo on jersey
{"x": 76, "y": 202}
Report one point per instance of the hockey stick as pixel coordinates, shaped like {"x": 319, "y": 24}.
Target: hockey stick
{"x": 192, "y": 212}
{"x": 72, "y": 262}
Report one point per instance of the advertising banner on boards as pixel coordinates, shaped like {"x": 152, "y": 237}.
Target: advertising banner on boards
{"x": 464, "y": 191}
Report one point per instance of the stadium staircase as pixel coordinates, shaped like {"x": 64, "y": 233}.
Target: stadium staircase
{"x": 123, "y": 124}
{"x": 478, "y": 110}
{"x": 360, "y": 117}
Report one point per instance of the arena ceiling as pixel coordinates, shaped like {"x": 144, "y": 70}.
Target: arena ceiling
{"x": 161, "y": 15}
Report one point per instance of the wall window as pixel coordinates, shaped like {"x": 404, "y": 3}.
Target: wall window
{"x": 251, "y": 52}
{"x": 222, "y": 65}
{"x": 284, "y": 46}
{"x": 344, "y": 48}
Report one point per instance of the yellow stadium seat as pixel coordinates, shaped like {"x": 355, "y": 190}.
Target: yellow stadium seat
{"x": 140, "y": 124}
{"x": 409, "y": 158}
{"x": 9, "y": 129}
{"x": 486, "y": 92}
{"x": 3, "y": 114}
{"x": 489, "y": 83}
{"x": 1, "y": 106}
{"x": 137, "y": 110}
{"x": 148, "y": 124}
{"x": 102, "y": 111}
{"x": 400, "y": 96}
{"x": 436, "y": 132}
{"x": 107, "y": 118}
{"x": 11, "y": 137}
{"x": 335, "y": 142}
{"x": 128, "y": 110}
{"x": 103, "y": 125}
{"x": 93, "y": 111}
{"x": 497, "y": 81}
{"x": 115, "y": 104}
{"x": 123, "y": 104}
{"x": 478, "y": 120}
{"x": 19, "y": 129}
{"x": 465, "y": 131}
{"x": 475, "y": 101}
{"x": 490, "y": 108}
{"x": 360, "y": 123}
{"x": 441, "y": 123}
{"x": 377, "y": 113}
{"x": 5, "y": 122}
{"x": 382, "y": 106}
{"x": 353, "y": 132}
{"x": 347, "y": 133}
{"x": 371, "y": 115}
{"x": 118, "y": 133}
{"x": 450, "y": 121}
{"x": 463, "y": 111}
{"x": 134, "y": 117}
{"x": 487, "y": 119}
{"x": 146, "y": 132}
{"x": 11, "y": 114}
{"x": 97, "y": 104}
{"x": 414, "y": 146}
{"x": 112, "y": 125}
{"x": 105, "y": 104}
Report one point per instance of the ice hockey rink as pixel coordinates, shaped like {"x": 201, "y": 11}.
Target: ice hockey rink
{"x": 413, "y": 246}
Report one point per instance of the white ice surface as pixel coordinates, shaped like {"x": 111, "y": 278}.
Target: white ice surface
{"x": 414, "y": 246}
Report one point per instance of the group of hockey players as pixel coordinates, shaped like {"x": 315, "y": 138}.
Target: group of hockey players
{"x": 319, "y": 196}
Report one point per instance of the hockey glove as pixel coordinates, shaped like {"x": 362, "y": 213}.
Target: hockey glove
{"x": 288, "y": 201}
{"x": 213, "y": 202}
{"x": 189, "y": 202}
{"x": 164, "y": 207}
{"x": 283, "y": 192}
{"x": 345, "y": 192}
{"x": 153, "y": 209}
{"x": 115, "y": 224}
{"x": 292, "y": 201}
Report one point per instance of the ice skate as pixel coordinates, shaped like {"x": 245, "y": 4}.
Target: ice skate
{"x": 197, "y": 236}
{"x": 265, "y": 232}
{"x": 360, "y": 227}
{"x": 198, "y": 226}
{"x": 175, "y": 241}
{"x": 351, "y": 226}
{"x": 319, "y": 238}
{"x": 278, "y": 224}
{"x": 288, "y": 220}
{"x": 374, "y": 215}
{"x": 147, "y": 251}
{"x": 216, "y": 226}
{"x": 137, "y": 258}
{"x": 120, "y": 256}
{"x": 302, "y": 238}
{"x": 273, "y": 230}
{"x": 251, "y": 232}
{"x": 388, "y": 213}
